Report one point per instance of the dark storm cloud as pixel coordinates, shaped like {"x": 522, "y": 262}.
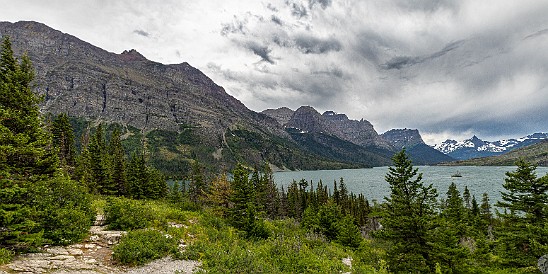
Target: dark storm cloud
{"x": 141, "y": 32}
{"x": 297, "y": 9}
{"x": 400, "y": 62}
{"x": 323, "y": 3}
{"x": 260, "y": 50}
{"x": 312, "y": 45}
{"x": 538, "y": 33}
{"x": 271, "y": 7}
{"x": 276, "y": 20}
{"x": 437, "y": 66}
{"x": 237, "y": 26}
{"x": 429, "y": 6}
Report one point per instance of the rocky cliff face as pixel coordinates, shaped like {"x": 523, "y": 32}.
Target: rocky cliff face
{"x": 362, "y": 133}
{"x": 400, "y": 138}
{"x": 282, "y": 115}
{"x": 419, "y": 152}
{"x": 82, "y": 80}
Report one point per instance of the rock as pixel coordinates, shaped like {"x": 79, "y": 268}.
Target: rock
{"x": 75, "y": 252}
{"x": 543, "y": 264}
{"x": 99, "y": 220}
{"x": 347, "y": 261}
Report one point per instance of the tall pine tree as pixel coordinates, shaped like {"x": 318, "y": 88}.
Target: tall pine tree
{"x": 36, "y": 199}
{"x": 408, "y": 215}
{"x": 524, "y": 237}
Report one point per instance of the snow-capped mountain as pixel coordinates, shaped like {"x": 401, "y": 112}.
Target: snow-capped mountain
{"x": 475, "y": 147}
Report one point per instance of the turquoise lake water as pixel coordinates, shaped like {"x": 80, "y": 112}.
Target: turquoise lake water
{"x": 371, "y": 181}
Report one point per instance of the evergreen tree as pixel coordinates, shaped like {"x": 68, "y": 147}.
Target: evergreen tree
{"x": 242, "y": 197}
{"x": 24, "y": 151}
{"x": 63, "y": 139}
{"x": 117, "y": 161}
{"x": 137, "y": 177}
{"x": 343, "y": 197}
{"x": 523, "y": 236}
{"x": 466, "y": 198}
{"x": 99, "y": 164}
{"x": 451, "y": 228}
{"x": 219, "y": 195}
{"x": 29, "y": 172}
{"x": 407, "y": 218}
{"x": 197, "y": 186}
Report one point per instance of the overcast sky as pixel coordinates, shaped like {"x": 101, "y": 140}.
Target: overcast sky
{"x": 451, "y": 69}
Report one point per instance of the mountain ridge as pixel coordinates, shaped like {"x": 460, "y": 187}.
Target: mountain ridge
{"x": 477, "y": 148}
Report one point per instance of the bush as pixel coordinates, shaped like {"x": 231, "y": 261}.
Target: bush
{"x": 126, "y": 214}
{"x": 5, "y": 256}
{"x": 67, "y": 225}
{"x": 139, "y": 247}
{"x": 63, "y": 209}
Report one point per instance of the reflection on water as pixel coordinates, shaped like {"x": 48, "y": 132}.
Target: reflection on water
{"x": 371, "y": 181}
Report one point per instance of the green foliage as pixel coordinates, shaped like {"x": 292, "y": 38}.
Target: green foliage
{"x": 63, "y": 139}
{"x": 242, "y": 197}
{"x": 348, "y": 233}
{"x": 5, "y": 256}
{"x": 144, "y": 181}
{"x": 524, "y": 238}
{"x": 63, "y": 209}
{"x": 289, "y": 250}
{"x": 36, "y": 198}
{"x": 408, "y": 218}
{"x": 117, "y": 159}
{"x": 128, "y": 214}
{"x": 139, "y": 247}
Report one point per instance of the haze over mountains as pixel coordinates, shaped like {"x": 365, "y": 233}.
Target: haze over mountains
{"x": 184, "y": 116}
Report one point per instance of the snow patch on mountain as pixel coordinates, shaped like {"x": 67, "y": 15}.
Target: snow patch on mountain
{"x": 475, "y": 147}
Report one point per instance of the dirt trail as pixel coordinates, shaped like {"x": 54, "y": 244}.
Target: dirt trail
{"x": 94, "y": 255}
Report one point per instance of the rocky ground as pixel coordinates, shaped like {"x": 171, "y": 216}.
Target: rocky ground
{"x": 94, "y": 255}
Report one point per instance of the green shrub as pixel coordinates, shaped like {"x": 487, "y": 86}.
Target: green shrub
{"x": 5, "y": 256}
{"x": 139, "y": 247}
{"x": 63, "y": 209}
{"x": 126, "y": 214}
{"x": 67, "y": 226}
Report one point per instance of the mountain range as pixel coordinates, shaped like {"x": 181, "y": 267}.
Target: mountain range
{"x": 307, "y": 126}
{"x": 477, "y": 148}
{"x": 182, "y": 116}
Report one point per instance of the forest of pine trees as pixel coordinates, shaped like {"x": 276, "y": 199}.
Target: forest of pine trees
{"x": 47, "y": 186}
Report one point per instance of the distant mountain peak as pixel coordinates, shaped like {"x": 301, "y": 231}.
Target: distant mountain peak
{"x": 132, "y": 55}
{"x": 403, "y": 137}
{"x": 475, "y": 147}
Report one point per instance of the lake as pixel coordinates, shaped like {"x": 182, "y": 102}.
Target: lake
{"x": 370, "y": 181}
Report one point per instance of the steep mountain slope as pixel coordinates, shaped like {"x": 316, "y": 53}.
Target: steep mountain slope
{"x": 536, "y": 154}
{"x": 419, "y": 152}
{"x": 181, "y": 113}
{"x": 82, "y": 80}
{"x": 309, "y": 120}
{"x": 334, "y": 135}
{"x": 310, "y": 129}
{"x": 476, "y": 148}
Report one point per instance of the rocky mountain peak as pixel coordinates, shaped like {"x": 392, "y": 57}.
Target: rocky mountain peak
{"x": 307, "y": 119}
{"x": 403, "y": 137}
{"x": 281, "y": 115}
{"x": 83, "y": 80}
{"x": 132, "y": 55}
{"x": 333, "y": 116}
